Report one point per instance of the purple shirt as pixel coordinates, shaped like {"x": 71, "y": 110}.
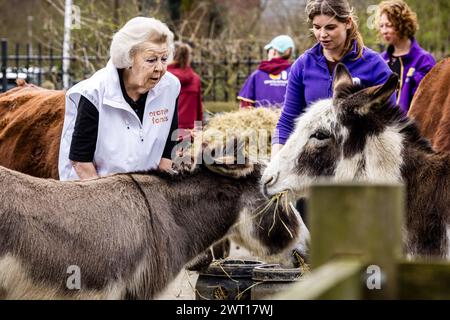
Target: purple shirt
{"x": 414, "y": 66}
{"x": 264, "y": 89}
{"x": 310, "y": 81}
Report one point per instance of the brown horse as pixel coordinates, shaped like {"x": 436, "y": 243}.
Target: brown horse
{"x": 431, "y": 106}
{"x": 31, "y": 120}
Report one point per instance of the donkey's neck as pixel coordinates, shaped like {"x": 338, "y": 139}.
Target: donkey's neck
{"x": 427, "y": 178}
{"x": 383, "y": 156}
{"x": 425, "y": 173}
{"x": 209, "y": 209}
{"x": 379, "y": 161}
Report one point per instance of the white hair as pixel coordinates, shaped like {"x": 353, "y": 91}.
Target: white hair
{"x": 135, "y": 32}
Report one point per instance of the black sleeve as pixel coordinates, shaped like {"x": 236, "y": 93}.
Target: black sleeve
{"x": 167, "y": 153}
{"x": 84, "y": 138}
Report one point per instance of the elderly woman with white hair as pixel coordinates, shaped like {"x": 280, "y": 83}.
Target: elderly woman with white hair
{"x": 123, "y": 118}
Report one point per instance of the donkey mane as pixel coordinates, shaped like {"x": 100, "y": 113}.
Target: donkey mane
{"x": 347, "y": 91}
{"x": 386, "y": 114}
{"x": 179, "y": 175}
{"x": 411, "y": 132}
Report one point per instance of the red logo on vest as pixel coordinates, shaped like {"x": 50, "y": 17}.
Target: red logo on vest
{"x": 159, "y": 116}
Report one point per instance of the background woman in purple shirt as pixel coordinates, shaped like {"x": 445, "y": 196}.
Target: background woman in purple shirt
{"x": 398, "y": 24}
{"x": 339, "y": 40}
{"x": 266, "y": 87}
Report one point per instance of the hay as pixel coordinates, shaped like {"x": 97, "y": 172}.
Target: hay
{"x": 252, "y": 126}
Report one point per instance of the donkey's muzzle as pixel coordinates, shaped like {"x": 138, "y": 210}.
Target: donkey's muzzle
{"x": 268, "y": 181}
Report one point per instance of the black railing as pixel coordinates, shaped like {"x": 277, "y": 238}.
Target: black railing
{"x": 221, "y": 77}
{"x": 223, "y": 67}
{"x": 37, "y": 67}
{"x": 4, "y": 64}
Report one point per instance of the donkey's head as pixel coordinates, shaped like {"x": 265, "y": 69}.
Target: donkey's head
{"x": 270, "y": 228}
{"x": 353, "y": 136}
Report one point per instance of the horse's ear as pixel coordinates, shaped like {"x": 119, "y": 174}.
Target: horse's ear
{"x": 342, "y": 79}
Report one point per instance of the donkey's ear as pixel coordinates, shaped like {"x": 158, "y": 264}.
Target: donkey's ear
{"x": 232, "y": 170}
{"x": 342, "y": 79}
{"x": 377, "y": 96}
{"x": 230, "y": 159}
{"x": 382, "y": 94}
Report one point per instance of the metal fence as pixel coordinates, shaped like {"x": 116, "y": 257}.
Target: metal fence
{"x": 222, "y": 76}
{"x": 222, "y": 66}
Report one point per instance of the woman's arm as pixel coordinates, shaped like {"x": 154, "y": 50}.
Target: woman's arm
{"x": 165, "y": 163}
{"x": 294, "y": 105}
{"x": 84, "y": 140}
{"x": 423, "y": 67}
{"x": 247, "y": 94}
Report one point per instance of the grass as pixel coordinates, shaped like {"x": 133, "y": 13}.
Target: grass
{"x": 220, "y": 106}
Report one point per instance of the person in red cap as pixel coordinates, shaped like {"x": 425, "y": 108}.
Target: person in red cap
{"x": 266, "y": 87}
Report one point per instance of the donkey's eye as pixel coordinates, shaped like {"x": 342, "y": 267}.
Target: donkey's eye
{"x": 320, "y": 135}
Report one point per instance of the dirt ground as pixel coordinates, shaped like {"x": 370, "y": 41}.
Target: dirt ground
{"x": 183, "y": 287}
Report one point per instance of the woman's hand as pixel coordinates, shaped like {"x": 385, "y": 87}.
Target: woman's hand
{"x": 85, "y": 170}
{"x": 166, "y": 165}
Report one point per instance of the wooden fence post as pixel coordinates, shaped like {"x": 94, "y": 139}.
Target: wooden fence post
{"x": 363, "y": 220}
{"x": 356, "y": 242}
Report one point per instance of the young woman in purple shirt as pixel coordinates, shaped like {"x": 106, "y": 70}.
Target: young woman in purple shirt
{"x": 338, "y": 40}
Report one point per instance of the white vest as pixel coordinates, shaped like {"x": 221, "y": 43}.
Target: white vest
{"x": 123, "y": 143}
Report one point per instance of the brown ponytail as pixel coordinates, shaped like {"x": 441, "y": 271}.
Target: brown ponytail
{"x": 354, "y": 34}
{"x": 182, "y": 55}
